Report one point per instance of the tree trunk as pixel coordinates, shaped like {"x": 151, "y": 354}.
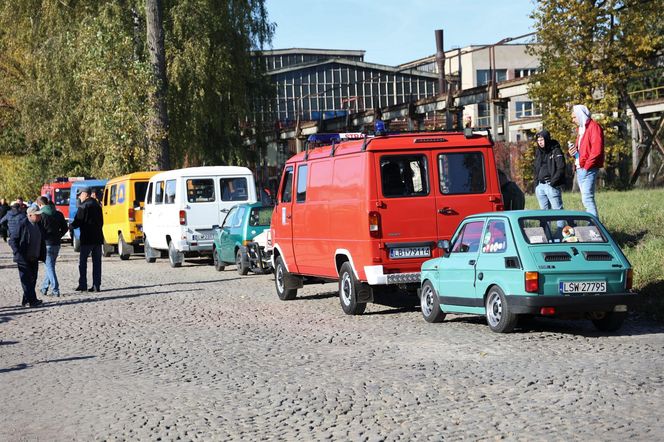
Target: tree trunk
{"x": 158, "y": 125}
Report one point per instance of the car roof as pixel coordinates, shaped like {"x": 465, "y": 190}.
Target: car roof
{"x": 515, "y": 215}
{"x": 203, "y": 171}
{"x": 143, "y": 175}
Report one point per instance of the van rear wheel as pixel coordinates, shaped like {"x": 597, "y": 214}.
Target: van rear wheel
{"x": 149, "y": 251}
{"x": 175, "y": 257}
{"x": 280, "y": 275}
{"x": 349, "y": 287}
{"x": 123, "y": 248}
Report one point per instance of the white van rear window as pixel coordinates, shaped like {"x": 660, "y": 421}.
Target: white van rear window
{"x": 233, "y": 189}
{"x": 200, "y": 190}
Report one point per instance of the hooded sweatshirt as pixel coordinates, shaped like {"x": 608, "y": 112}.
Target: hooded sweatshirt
{"x": 590, "y": 139}
{"x": 549, "y": 161}
{"x": 54, "y": 225}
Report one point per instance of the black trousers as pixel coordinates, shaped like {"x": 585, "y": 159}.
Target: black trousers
{"x": 27, "y": 272}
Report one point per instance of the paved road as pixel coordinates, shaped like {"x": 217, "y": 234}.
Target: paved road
{"x": 196, "y": 354}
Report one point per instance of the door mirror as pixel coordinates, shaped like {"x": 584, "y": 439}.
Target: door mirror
{"x": 445, "y": 245}
{"x": 215, "y": 227}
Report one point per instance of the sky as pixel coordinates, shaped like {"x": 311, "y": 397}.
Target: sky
{"x": 396, "y": 31}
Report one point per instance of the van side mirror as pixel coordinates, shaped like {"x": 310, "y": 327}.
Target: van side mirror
{"x": 445, "y": 245}
{"x": 215, "y": 227}
{"x": 137, "y": 205}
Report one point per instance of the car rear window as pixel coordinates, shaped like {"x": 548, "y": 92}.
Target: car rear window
{"x": 404, "y": 176}
{"x": 547, "y": 230}
{"x": 260, "y": 216}
{"x": 200, "y": 190}
{"x": 461, "y": 172}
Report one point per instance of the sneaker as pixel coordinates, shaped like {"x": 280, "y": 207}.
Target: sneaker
{"x": 94, "y": 288}
{"x": 80, "y": 289}
{"x": 36, "y": 303}
{"x": 43, "y": 292}
{"x": 55, "y": 295}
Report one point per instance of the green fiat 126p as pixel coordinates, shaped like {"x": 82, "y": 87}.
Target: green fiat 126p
{"x": 546, "y": 262}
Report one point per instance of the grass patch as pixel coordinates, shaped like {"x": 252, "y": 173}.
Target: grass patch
{"x": 635, "y": 219}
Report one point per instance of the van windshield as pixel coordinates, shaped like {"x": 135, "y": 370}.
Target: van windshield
{"x": 404, "y": 176}
{"x": 554, "y": 229}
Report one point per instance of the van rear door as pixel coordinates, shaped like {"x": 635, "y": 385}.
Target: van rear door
{"x": 407, "y": 207}
{"x": 463, "y": 186}
{"x": 201, "y": 207}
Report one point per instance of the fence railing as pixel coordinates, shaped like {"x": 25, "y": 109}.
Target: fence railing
{"x": 648, "y": 94}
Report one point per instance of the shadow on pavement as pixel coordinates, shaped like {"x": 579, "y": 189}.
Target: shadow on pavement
{"x": 8, "y": 342}
{"x": 174, "y": 283}
{"x": 24, "y": 365}
{"x": 22, "y": 311}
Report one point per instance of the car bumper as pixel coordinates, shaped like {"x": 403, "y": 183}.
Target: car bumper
{"x": 375, "y": 276}
{"x": 571, "y": 304}
{"x": 195, "y": 246}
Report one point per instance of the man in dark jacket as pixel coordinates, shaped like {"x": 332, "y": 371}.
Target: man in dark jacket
{"x": 12, "y": 219}
{"x": 4, "y": 209}
{"x": 90, "y": 220}
{"x": 54, "y": 227}
{"x": 26, "y": 241}
{"x": 549, "y": 172}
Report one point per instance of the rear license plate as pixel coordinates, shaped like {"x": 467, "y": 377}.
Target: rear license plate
{"x": 202, "y": 236}
{"x": 410, "y": 252}
{"x": 583, "y": 287}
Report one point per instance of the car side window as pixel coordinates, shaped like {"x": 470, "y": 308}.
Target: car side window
{"x": 469, "y": 238}
{"x": 105, "y": 197}
{"x": 495, "y": 237}
{"x": 228, "y": 221}
{"x": 287, "y": 187}
{"x": 159, "y": 192}
{"x": 169, "y": 197}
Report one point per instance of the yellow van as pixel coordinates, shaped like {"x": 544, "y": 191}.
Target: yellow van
{"x": 122, "y": 205}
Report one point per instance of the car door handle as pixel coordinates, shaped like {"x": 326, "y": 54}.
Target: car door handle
{"x": 446, "y": 211}
{"x": 471, "y": 262}
{"x": 289, "y": 216}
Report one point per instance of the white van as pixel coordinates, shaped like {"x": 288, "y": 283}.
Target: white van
{"x": 183, "y": 205}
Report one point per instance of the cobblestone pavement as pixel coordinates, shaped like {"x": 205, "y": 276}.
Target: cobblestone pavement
{"x": 196, "y": 354}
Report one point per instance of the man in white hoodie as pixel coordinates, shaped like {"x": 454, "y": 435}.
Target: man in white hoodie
{"x": 589, "y": 146}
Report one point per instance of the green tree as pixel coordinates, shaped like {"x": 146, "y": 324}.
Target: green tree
{"x": 589, "y": 51}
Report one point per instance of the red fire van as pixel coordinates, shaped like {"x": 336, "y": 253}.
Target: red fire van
{"x": 368, "y": 212}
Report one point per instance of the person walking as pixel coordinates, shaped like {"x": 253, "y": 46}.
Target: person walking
{"x": 90, "y": 220}
{"x": 54, "y": 227}
{"x": 549, "y": 172}
{"x": 589, "y": 145}
{"x": 29, "y": 248}
{"x": 4, "y": 209}
{"x": 12, "y": 219}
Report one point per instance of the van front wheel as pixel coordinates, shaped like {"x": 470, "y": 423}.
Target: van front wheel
{"x": 349, "y": 287}
{"x": 280, "y": 275}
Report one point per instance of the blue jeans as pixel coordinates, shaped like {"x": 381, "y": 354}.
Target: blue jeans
{"x": 549, "y": 197}
{"x": 51, "y": 279}
{"x": 586, "y": 180}
{"x": 95, "y": 251}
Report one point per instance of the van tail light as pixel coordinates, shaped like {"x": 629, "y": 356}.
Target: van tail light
{"x": 532, "y": 282}
{"x": 629, "y": 279}
{"x": 374, "y": 224}
{"x": 132, "y": 214}
{"x": 183, "y": 218}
